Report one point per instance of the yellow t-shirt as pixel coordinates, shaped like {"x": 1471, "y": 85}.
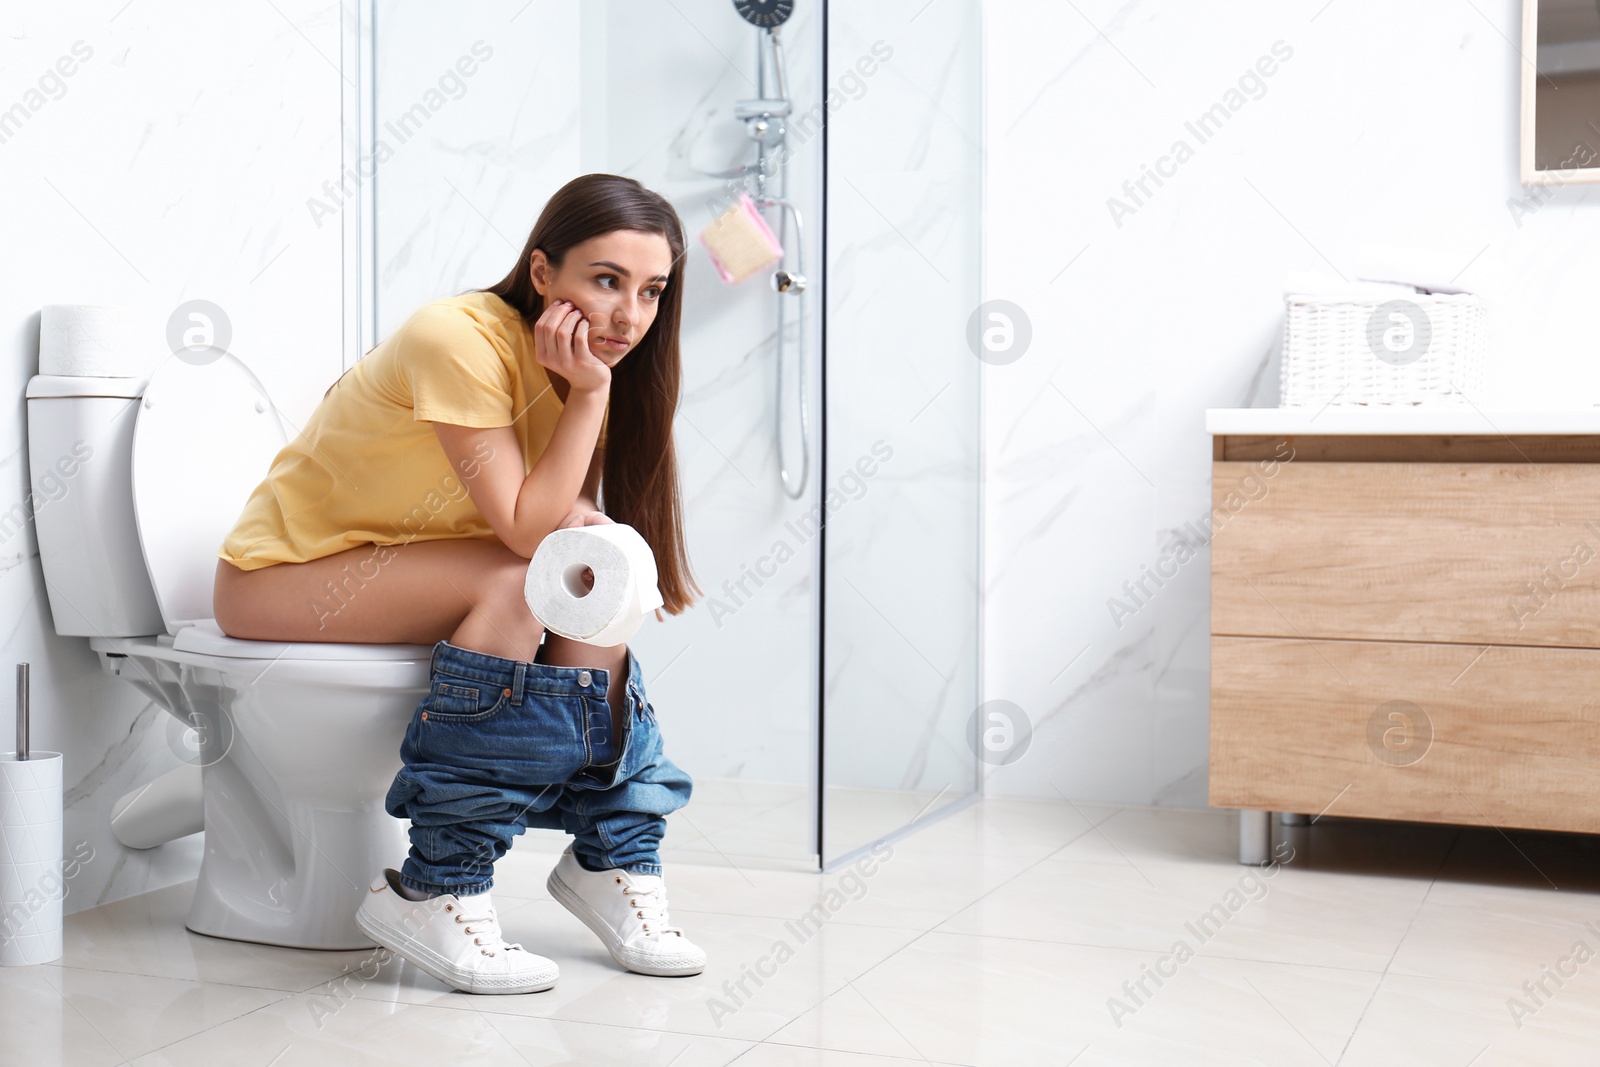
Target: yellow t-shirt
{"x": 368, "y": 467}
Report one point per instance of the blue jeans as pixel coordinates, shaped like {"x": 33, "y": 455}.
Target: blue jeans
{"x": 498, "y": 745}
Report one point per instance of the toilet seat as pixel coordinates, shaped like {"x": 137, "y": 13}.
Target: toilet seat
{"x": 206, "y": 638}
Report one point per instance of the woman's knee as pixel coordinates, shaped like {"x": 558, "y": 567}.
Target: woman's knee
{"x": 500, "y": 592}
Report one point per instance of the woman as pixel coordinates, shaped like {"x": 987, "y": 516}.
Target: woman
{"x": 407, "y": 510}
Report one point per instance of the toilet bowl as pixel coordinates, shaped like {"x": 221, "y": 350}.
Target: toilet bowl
{"x": 136, "y": 483}
{"x": 296, "y": 752}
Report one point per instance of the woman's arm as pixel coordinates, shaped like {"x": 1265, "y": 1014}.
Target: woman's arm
{"x": 589, "y": 495}
{"x": 523, "y": 511}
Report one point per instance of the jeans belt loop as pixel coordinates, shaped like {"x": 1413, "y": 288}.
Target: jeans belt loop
{"x": 516, "y": 681}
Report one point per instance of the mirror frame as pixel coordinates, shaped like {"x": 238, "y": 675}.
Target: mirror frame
{"x": 1530, "y": 74}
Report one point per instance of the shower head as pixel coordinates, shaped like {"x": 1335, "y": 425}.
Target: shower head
{"x": 764, "y": 14}
{"x": 772, "y": 101}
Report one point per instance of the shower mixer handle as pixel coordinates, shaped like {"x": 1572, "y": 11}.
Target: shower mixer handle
{"x": 785, "y": 282}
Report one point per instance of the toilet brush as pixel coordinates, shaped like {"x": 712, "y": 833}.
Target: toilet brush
{"x": 22, "y": 711}
{"x": 31, "y": 876}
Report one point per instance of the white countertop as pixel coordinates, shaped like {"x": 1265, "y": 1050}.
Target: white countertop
{"x": 1415, "y": 419}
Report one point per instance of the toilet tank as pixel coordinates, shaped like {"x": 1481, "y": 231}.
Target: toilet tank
{"x": 80, "y": 448}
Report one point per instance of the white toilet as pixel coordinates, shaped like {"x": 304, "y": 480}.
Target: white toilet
{"x": 136, "y": 482}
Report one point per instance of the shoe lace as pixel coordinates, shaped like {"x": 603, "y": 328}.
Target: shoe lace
{"x": 488, "y": 924}
{"x": 649, "y": 901}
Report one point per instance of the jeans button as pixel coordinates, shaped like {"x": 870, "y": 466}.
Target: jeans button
{"x": 584, "y": 677}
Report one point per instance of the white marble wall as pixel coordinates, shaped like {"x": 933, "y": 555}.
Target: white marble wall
{"x": 173, "y": 163}
{"x": 1390, "y": 124}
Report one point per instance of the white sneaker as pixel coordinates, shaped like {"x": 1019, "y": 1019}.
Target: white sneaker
{"x": 455, "y": 939}
{"x": 628, "y": 912}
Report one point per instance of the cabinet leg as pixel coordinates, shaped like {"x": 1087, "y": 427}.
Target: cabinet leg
{"x": 1255, "y": 837}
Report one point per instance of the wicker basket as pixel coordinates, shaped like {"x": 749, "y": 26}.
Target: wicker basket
{"x": 1411, "y": 349}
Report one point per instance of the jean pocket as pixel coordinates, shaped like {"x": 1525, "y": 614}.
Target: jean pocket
{"x": 491, "y": 739}
{"x": 456, "y": 702}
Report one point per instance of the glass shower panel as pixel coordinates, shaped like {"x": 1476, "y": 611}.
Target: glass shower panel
{"x": 900, "y": 629}
{"x": 647, "y": 90}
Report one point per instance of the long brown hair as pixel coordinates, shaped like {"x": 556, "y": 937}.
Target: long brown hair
{"x": 640, "y": 480}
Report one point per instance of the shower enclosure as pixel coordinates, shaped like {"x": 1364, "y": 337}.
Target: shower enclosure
{"x": 823, "y": 693}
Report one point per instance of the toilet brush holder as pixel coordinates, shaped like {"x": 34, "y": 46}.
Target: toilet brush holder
{"x": 32, "y": 879}
{"x": 32, "y": 884}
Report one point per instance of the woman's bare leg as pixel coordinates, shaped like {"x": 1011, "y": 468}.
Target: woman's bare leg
{"x": 465, "y": 591}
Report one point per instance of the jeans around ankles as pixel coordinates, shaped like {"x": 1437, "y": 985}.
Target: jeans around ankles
{"x": 498, "y": 745}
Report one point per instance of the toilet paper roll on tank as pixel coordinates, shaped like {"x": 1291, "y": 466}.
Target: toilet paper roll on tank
{"x": 98, "y": 341}
{"x": 624, "y": 592}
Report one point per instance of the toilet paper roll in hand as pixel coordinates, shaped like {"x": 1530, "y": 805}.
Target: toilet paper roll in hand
{"x": 624, "y": 583}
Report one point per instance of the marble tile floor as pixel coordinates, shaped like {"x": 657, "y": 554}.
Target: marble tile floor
{"x": 1011, "y": 932}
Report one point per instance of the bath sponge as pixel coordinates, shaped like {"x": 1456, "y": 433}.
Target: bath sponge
{"x": 740, "y": 242}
